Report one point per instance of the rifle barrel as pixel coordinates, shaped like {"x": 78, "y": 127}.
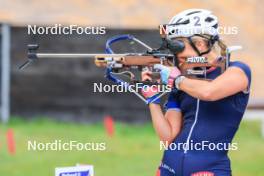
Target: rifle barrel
{"x": 80, "y": 55}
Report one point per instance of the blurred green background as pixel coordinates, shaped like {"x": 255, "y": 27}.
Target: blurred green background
{"x": 63, "y": 89}
{"x": 134, "y": 149}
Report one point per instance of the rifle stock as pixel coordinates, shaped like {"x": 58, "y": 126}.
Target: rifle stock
{"x": 131, "y": 61}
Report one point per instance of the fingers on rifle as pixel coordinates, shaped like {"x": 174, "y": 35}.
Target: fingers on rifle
{"x": 146, "y": 76}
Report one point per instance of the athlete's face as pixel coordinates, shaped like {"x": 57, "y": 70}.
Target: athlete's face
{"x": 189, "y": 51}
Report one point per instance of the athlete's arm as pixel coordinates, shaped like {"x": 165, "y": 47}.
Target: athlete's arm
{"x": 166, "y": 126}
{"x": 232, "y": 81}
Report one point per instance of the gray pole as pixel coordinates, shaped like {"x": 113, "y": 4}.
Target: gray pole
{"x": 5, "y": 75}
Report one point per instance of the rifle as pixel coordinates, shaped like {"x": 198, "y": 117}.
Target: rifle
{"x": 122, "y": 64}
{"x": 126, "y": 61}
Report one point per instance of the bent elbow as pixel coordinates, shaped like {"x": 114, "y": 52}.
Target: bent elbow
{"x": 165, "y": 143}
{"x": 167, "y": 140}
{"x": 209, "y": 96}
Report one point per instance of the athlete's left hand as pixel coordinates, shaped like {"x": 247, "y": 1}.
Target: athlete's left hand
{"x": 168, "y": 74}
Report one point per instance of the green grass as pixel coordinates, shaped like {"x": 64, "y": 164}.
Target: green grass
{"x": 249, "y": 158}
{"x": 134, "y": 150}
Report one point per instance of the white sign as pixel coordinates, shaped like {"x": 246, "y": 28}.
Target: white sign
{"x": 84, "y": 170}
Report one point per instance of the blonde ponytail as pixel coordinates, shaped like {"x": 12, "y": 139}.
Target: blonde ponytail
{"x": 222, "y": 46}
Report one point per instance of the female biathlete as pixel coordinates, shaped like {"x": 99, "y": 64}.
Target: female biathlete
{"x": 201, "y": 116}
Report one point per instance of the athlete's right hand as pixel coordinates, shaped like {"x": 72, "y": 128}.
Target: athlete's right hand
{"x": 150, "y": 92}
{"x": 146, "y": 75}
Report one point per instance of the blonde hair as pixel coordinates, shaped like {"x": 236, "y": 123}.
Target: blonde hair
{"x": 222, "y": 46}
